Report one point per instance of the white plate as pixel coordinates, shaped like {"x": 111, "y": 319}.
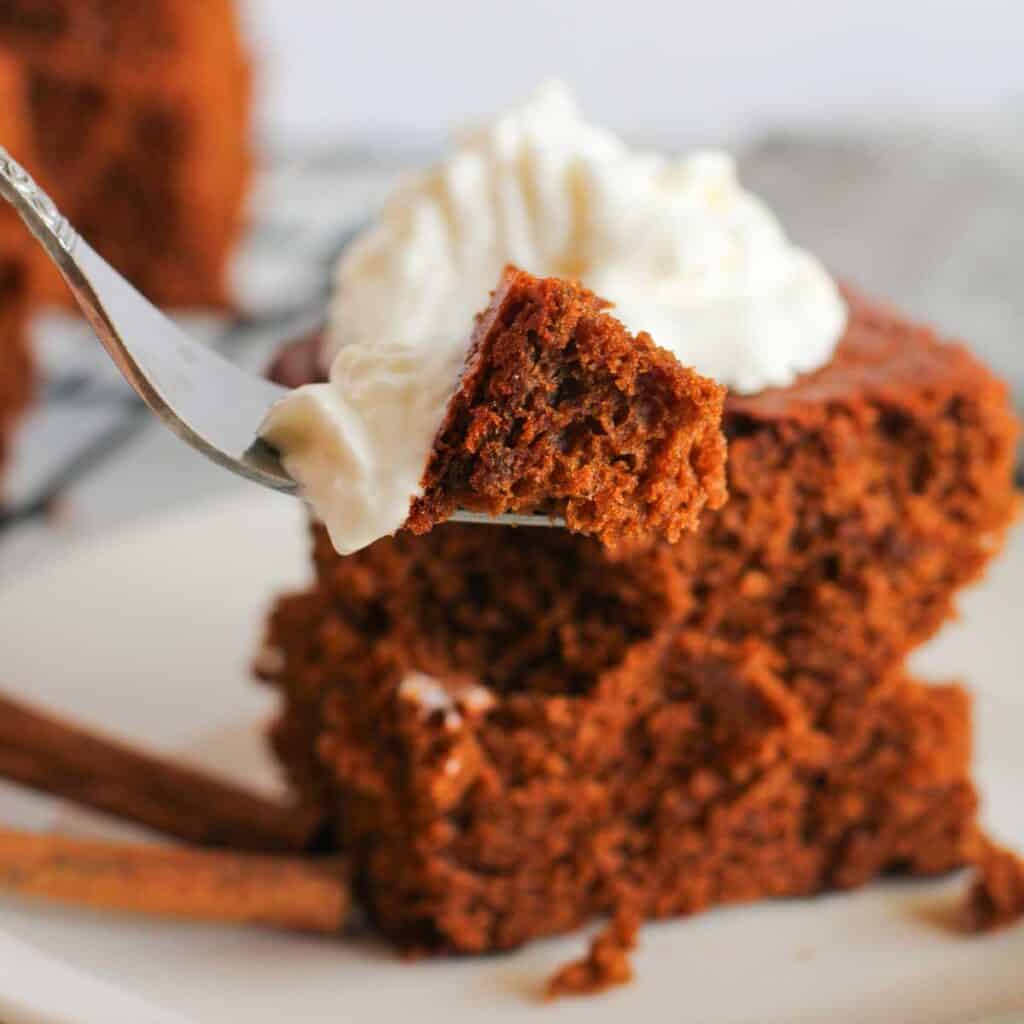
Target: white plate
{"x": 150, "y": 632}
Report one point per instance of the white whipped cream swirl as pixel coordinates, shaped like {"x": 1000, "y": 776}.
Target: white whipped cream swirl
{"x": 676, "y": 244}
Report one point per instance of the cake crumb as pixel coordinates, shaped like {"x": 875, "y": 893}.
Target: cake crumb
{"x": 996, "y": 896}
{"x": 605, "y": 965}
{"x": 269, "y": 661}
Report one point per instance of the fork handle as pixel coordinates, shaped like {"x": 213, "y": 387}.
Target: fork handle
{"x": 62, "y": 244}
{"x": 38, "y": 211}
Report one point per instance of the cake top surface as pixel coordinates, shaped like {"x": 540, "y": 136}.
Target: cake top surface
{"x": 882, "y": 358}
{"x": 676, "y": 244}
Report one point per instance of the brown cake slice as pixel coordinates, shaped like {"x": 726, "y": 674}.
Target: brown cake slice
{"x": 562, "y": 411}
{"x": 673, "y": 726}
{"x": 140, "y": 124}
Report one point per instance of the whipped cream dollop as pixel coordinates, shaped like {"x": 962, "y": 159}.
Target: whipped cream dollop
{"x": 679, "y": 247}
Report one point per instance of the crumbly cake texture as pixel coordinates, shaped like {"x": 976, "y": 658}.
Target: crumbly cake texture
{"x": 140, "y": 133}
{"x": 561, "y": 411}
{"x": 660, "y": 729}
{"x": 19, "y": 265}
{"x": 996, "y": 897}
{"x": 605, "y": 965}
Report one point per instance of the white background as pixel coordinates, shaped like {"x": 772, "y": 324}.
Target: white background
{"x": 675, "y": 72}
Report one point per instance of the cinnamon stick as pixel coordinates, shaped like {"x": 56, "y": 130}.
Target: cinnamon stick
{"x": 281, "y": 892}
{"x": 64, "y": 760}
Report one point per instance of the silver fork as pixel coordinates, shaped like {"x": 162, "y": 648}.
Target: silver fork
{"x": 208, "y": 402}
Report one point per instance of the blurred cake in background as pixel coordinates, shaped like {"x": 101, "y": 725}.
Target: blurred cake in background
{"x": 140, "y": 131}
{"x": 20, "y": 261}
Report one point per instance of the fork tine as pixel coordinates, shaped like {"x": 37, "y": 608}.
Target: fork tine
{"x": 507, "y": 519}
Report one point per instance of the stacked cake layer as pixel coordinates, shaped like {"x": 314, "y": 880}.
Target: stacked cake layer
{"x": 516, "y": 730}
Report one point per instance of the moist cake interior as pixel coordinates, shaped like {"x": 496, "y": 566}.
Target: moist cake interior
{"x": 561, "y": 411}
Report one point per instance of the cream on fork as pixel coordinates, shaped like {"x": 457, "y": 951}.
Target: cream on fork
{"x": 208, "y": 402}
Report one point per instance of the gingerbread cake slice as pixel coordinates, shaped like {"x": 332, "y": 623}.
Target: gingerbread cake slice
{"x": 562, "y": 411}
{"x": 670, "y": 727}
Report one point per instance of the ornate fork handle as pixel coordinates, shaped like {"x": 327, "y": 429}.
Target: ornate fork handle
{"x": 37, "y": 209}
